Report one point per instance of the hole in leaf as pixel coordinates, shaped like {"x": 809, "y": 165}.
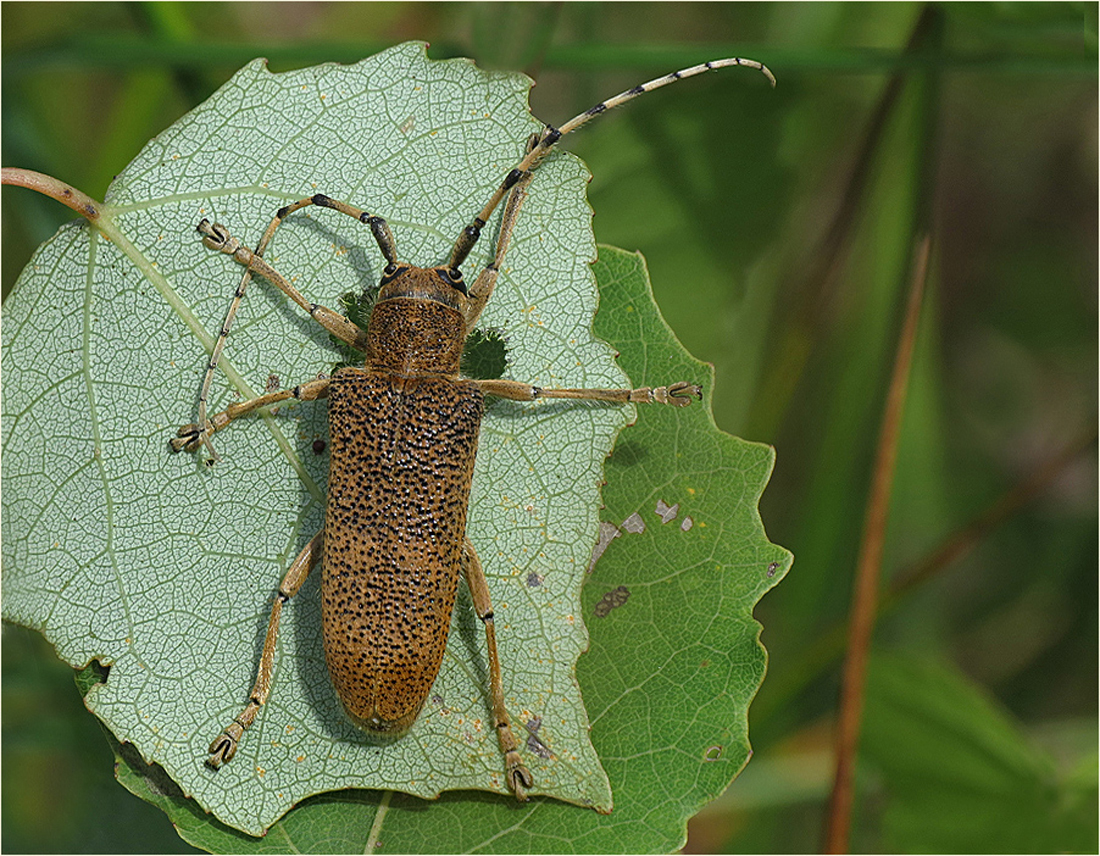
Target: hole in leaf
{"x": 485, "y": 354}
{"x": 357, "y": 308}
{"x": 92, "y": 674}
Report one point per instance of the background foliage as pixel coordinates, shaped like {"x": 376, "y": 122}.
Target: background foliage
{"x": 778, "y": 228}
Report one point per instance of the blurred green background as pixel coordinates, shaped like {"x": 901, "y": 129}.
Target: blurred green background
{"x": 778, "y": 227}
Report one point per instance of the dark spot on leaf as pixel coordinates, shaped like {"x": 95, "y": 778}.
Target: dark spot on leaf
{"x": 612, "y": 600}
{"x": 534, "y": 580}
{"x": 534, "y": 745}
{"x": 772, "y": 568}
{"x": 319, "y": 447}
{"x": 628, "y": 454}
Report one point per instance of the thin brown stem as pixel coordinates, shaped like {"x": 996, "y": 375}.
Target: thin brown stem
{"x": 67, "y": 195}
{"x": 869, "y": 566}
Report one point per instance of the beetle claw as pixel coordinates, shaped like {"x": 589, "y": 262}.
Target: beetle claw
{"x": 224, "y": 746}
{"x": 519, "y": 777}
{"x": 681, "y": 394}
{"x": 187, "y": 439}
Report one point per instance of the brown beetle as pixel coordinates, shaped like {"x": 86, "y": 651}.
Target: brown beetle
{"x": 404, "y": 431}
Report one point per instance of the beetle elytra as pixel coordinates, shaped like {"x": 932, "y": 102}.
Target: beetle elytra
{"x": 404, "y": 432}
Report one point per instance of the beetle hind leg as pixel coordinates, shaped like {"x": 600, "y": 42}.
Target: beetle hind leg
{"x": 225, "y": 744}
{"x": 519, "y": 778}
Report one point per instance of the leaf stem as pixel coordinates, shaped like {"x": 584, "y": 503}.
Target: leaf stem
{"x": 963, "y": 540}
{"x": 64, "y": 193}
{"x": 816, "y": 285}
{"x": 376, "y": 827}
{"x": 869, "y": 566}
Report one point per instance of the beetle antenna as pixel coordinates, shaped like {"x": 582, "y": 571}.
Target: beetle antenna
{"x": 550, "y": 136}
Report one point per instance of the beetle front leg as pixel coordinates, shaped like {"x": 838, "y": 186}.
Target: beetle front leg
{"x": 217, "y": 237}
{"x": 517, "y": 775}
{"x": 225, "y": 744}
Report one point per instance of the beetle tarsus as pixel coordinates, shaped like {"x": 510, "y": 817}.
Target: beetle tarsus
{"x": 224, "y": 746}
{"x": 519, "y": 777}
{"x": 681, "y": 394}
{"x": 188, "y": 438}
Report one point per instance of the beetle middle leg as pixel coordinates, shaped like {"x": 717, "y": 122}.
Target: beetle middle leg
{"x": 190, "y": 436}
{"x": 518, "y": 776}
{"x": 676, "y": 394}
{"x": 225, "y": 744}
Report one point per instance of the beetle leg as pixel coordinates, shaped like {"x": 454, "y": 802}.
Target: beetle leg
{"x": 518, "y": 776}
{"x": 224, "y": 746}
{"x": 676, "y": 394}
{"x": 190, "y": 436}
{"x": 218, "y": 238}
{"x": 487, "y": 280}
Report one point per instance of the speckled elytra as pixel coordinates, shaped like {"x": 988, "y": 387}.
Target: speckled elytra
{"x": 404, "y": 430}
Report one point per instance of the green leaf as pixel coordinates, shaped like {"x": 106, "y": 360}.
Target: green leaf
{"x": 671, "y": 670}
{"x": 961, "y": 776}
{"x": 164, "y": 570}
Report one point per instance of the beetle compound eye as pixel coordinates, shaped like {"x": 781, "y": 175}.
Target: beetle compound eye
{"x": 454, "y": 277}
{"x": 390, "y": 272}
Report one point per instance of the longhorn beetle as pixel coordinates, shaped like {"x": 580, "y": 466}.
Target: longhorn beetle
{"x": 404, "y": 431}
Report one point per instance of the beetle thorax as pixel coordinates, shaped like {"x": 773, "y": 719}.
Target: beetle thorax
{"x": 418, "y": 324}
